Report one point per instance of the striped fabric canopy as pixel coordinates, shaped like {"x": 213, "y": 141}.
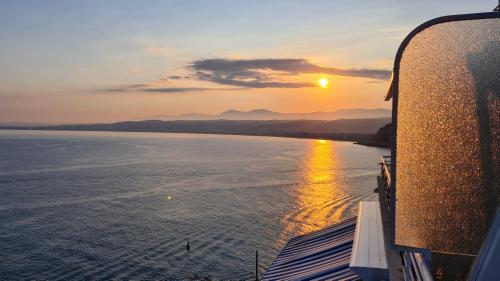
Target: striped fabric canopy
{"x": 319, "y": 255}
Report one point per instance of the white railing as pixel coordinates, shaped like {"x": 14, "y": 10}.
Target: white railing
{"x": 385, "y": 171}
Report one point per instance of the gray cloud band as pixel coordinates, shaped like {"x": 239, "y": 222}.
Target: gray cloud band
{"x": 134, "y": 88}
{"x": 256, "y": 73}
{"x": 261, "y": 73}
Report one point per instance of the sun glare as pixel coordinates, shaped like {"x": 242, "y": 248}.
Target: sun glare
{"x": 323, "y": 82}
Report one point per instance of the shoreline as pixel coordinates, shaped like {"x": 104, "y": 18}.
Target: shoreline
{"x": 359, "y": 139}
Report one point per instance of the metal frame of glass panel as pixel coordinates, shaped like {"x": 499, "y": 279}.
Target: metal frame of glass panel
{"x": 393, "y": 93}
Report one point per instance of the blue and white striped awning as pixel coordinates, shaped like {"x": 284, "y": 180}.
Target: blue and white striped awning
{"x": 319, "y": 255}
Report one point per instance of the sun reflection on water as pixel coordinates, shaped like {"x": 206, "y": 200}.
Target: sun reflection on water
{"x": 319, "y": 199}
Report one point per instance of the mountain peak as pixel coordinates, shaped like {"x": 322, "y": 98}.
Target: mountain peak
{"x": 260, "y": 110}
{"x": 265, "y": 114}
{"x": 231, "y": 111}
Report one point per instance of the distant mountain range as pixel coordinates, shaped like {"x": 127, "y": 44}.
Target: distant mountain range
{"x": 363, "y": 131}
{"x": 357, "y": 124}
{"x": 264, "y": 114}
{"x": 24, "y": 124}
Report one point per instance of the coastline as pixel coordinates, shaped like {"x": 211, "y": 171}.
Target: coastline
{"x": 373, "y": 143}
{"x": 359, "y": 139}
{"x": 359, "y": 131}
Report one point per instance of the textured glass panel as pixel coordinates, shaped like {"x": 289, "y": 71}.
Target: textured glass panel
{"x": 448, "y": 132}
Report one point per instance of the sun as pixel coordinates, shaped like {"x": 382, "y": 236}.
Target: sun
{"x": 323, "y": 82}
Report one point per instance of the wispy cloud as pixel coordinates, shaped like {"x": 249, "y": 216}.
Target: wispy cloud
{"x": 375, "y": 81}
{"x": 268, "y": 73}
{"x": 183, "y": 90}
{"x": 145, "y": 88}
{"x": 178, "y": 77}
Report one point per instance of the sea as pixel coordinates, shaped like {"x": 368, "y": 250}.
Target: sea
{"x": 124, "y": 206}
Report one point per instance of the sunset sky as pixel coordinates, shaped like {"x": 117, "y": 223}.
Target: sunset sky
{"x": 104, "y": 61}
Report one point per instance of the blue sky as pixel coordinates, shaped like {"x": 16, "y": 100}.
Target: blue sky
{"x": 101, "y": 61}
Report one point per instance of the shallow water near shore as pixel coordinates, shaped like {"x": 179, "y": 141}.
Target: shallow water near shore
{"x": 102, "y": 205}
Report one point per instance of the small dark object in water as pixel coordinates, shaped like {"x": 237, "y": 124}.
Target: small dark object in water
{"x": 187, "y": 246}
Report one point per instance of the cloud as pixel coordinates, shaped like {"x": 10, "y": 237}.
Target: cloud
{"x": 182, "y": 90}
{"x": 375, "y": 81}
{"x": 254, "y": 73}
{"x": 144, "y": 88}
{"x": 175, "y": 77}
{"x": 247, "y": 80}
{"x": 271, "y": 73}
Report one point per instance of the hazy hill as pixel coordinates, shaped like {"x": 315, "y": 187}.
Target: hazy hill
{"x": 381, "y": 139}
{"x": 264, "y": 114}
{"x": 356, "y": 130}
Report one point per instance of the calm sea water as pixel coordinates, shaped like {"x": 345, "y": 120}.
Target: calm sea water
{"x": 97, "y": 205}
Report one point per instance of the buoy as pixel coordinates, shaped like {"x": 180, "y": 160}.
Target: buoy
{"x": 187, "y": 246}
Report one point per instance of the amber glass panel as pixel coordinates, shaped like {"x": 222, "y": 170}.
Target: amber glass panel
{"x": 448, "y": 132}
